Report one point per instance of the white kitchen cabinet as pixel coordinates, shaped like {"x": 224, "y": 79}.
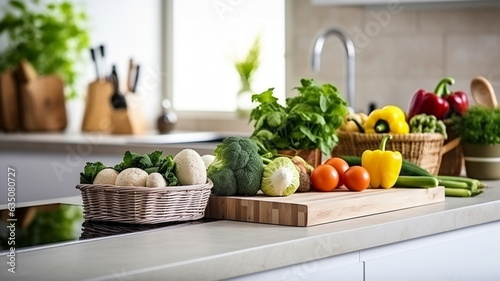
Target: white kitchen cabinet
{"x": 346, "y": 267}
{"x": 467, "y": 254}
{"x": 398, "y": 2}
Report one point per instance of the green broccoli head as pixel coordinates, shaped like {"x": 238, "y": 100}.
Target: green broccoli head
{"x": 237, "y": 168}
{"x": 224, "y": 180}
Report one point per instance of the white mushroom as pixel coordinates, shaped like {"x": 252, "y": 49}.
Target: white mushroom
{"x": 208, "y": 159}
{"x": 106, "y": 176}
{"x": 155, "y": 180}
{"x": 190, "y": 168}
{"x": 132, "y": 177}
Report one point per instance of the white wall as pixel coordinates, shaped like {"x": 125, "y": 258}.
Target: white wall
{"x": 128, "y": 29}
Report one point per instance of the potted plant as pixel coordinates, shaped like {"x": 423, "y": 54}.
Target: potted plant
{"x": 306, "y": 125}
{"x": 479, "y": 130}
{"x": 246, "y": 69}
{"x": 49, "y": 35}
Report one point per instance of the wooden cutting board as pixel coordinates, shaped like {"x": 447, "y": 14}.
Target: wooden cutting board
{"x": 9, "y": 109}
{"x": 44, "y": 104}
{"x": 312, "y": 208}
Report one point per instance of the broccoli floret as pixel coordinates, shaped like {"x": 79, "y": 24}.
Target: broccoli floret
{"x": 237, "y": 168}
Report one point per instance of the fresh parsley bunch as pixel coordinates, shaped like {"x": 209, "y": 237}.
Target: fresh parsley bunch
{"x": 479, "y": 125}
{"x": 309, "y": 120}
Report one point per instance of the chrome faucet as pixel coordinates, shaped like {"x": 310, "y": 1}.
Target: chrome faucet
{"x": 350, "y": 54}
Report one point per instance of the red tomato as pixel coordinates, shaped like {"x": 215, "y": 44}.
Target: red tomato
{"x": 324, "y": 178}
{"x": 356, "y": 178}
{"x": 340, "y": 165}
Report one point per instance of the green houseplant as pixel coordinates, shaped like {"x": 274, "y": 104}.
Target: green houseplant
{"x": 479, "y": 130}
{"x": 246, "y": 69}
{"x": 308, "y": 121}
{"x": 50, "y": 35}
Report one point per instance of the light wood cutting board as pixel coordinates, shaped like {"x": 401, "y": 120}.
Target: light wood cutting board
{"x": 312, "y": 208}
{"x": 44, "y": 104}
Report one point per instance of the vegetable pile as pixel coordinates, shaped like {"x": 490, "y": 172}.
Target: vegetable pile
{"x": 148, "y": 170}
{"x": 413, "y": 176}
{"x": 440, "y": 111}
{"x": 310, "y": 121}
{"x": 246, "y": 166}
{"x": 239, "y": 169}
{"x": 392, "y": 119}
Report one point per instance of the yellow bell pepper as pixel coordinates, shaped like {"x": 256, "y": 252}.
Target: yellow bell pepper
{"x": 388, "y": 119}
{"x": 383, "y": 166}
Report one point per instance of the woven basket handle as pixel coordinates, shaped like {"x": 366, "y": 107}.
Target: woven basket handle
{"x": 450, "y": 145}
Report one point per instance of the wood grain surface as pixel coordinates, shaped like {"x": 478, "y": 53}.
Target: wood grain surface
{"x": 312, "y": 208}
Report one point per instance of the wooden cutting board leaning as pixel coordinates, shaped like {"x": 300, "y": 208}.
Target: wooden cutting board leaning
{"x": 9, "y": 113}
{"x": 30, "y": 102}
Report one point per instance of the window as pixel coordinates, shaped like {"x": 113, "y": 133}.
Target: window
{"x": 208, "y": 37}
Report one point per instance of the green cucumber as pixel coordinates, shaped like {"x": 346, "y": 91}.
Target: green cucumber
{"x": 472, "y": 183}
{"x": 457, "y": 192}
{"x": 351, "y": 160}
{"x": 416, "y": 181}
{"x": 407, "y": 169}
{"x": 460, "y": 192}
{"x": 453, "y": 184}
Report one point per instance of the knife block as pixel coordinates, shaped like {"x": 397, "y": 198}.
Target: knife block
{"x": 129, "y": 120}
{"x": 98, "y": 108}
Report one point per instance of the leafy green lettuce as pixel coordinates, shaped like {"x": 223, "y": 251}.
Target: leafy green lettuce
{"x": 90, "y": 170}
{"x": 307, "y": 121}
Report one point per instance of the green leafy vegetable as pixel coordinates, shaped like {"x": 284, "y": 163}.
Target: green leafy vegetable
{"x": 479, "y": 125}
{"x": 151, "y": 162}
{"x": 308, "y": 121}
{"x": 90, "y": 170}
{"x": 166, "y": 167}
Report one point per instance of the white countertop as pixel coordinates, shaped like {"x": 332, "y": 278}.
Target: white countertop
{"x": 224, "y": 249}
{"x": 105, "y": 142}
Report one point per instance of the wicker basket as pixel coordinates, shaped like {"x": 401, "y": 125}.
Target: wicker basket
{"x": 144, "y": 205}
{"x": 424, "y": 150}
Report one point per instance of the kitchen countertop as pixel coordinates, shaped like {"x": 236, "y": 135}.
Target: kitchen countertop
{"x": 224, "y": 249}
{"x": 109, "y": 143}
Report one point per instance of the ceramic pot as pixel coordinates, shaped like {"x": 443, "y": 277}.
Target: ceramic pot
{"x": 482, "y": 161}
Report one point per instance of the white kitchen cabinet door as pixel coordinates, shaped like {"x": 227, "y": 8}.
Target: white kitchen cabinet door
{"x": 344, "y": 267}
{"x": 397, "y": 2}
{"x": 474, "y": 257}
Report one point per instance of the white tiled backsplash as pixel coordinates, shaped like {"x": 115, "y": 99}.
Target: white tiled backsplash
{"x": 397, "y": 50}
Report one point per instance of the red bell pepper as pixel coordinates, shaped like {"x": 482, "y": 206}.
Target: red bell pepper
{"x": 442, "y": 103}
{"x": 458, "y": 101}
